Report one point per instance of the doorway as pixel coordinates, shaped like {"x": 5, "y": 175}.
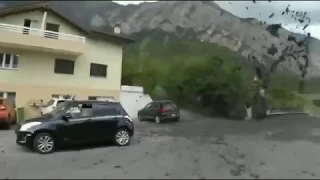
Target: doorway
{"x": 33, "y": 24}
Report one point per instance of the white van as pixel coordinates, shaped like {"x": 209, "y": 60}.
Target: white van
{"x": 53, "y": 103}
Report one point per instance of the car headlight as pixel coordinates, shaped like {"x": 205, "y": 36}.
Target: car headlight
{"x": 29, "y": 125}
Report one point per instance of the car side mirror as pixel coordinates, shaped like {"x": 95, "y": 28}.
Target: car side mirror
{"x": 66, "y": 117}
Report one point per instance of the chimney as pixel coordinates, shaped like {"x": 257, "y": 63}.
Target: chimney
{"x": 117, "y": 28}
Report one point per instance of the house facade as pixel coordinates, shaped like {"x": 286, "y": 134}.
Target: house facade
{"x": 45, "y": 54}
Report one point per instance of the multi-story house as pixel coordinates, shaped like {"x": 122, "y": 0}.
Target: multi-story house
{"x": 43, "y": 53}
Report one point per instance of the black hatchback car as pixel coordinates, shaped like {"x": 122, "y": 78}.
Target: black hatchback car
{"x": 77, "y": 122}
{"x": 160, "y": 111}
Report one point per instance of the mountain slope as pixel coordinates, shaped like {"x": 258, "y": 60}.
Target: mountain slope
{"x": 203, "y": 20}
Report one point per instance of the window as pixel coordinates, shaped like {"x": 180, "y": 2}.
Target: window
{"x": 154, "y": 105}
{"x": 10, "y": 96}
{"x": 103, "y": 110}
{"x": 86, "y": 110}
{"x": 169, "y": 106}
{"x": 148, "y": 105}
{"x": 27, "y": 23}
{"x": 49, "y": 103}
{"x": 98, "y": 70}
{"x": 60, "y": 101}
{"x": 63, "y": 66}
{"x": 34, "y": 24}
{"x": 9, "y": 61}
{"x": 54, "y": 28}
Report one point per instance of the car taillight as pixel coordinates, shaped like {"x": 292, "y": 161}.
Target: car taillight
{"x": 2, "y": 108}
{"x": 162, "y": 110}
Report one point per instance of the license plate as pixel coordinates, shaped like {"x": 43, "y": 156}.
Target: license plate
{"x": 173, "y": 115}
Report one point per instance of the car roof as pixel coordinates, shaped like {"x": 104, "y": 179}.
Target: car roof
{"x": 94, "y": 101}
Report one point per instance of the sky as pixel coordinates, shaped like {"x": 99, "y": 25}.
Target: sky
{"x": 263, "y": 9}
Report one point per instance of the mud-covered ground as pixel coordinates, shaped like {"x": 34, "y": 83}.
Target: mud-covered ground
{"x": 197, "y": 147}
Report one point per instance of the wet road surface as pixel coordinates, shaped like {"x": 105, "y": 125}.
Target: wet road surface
{"x": 285, "y": 146}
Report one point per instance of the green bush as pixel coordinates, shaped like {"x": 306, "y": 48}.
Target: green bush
{"x": 284, "y": 98}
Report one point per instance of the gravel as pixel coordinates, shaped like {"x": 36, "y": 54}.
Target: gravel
{"x": 199, "y": 147}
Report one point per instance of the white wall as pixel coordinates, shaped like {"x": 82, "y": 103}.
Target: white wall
{"x": 133, "y": 99}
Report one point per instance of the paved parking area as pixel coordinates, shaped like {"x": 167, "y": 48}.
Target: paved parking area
{"x": 197, "y": 147}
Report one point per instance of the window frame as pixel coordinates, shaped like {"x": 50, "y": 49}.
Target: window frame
{"x": 3, "y": 61}
{"x": 98, "y": 76}
{"x": 63, "y": 60}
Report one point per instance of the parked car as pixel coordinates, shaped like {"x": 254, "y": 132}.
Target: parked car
{"x": 77, "y": 122}
{"x": 53, "y": 103}
{"x": 160, "y": 111}
{"x": 7, "y": 114}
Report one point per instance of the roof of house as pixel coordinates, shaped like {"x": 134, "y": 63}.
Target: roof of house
{"x": 51, "y": 7}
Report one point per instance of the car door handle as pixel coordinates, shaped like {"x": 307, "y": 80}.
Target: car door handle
{"x": 89, "y": 120}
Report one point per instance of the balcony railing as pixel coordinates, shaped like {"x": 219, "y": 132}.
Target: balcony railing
{"x": 41, "y": 33}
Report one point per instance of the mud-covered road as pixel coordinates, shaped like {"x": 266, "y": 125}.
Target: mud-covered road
{"x": 197, "y": 147}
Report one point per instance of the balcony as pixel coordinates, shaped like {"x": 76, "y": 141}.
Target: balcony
{"x": 20, "y": 37}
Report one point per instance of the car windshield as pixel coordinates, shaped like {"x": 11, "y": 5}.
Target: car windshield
{"x": 49, "y": 103}
{"x": 61, "y": 108}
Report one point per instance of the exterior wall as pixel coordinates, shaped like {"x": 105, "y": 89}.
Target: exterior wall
{"x": 35, "y": 77}
{"x": 27, "y": 92}
{"x": 133, "y": 99}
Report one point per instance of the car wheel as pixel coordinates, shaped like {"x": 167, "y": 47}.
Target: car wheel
{"x": 6, "y": 126}
{"x": 177, "y": 119}
{"x": 158, "y": 121}
{"x": 44, "y": 143}
{"x": 122, "y": 137}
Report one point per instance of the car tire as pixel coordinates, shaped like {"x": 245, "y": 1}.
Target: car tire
{"x": 177, "y": 119}
{"x": 124, "y": 135}
{"x": 6, "y": 126}
{"x": 158, "y": 120}
{"x": 42, "y": 138}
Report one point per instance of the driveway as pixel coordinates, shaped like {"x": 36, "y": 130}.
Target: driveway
{"x": 197, "y": 147}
